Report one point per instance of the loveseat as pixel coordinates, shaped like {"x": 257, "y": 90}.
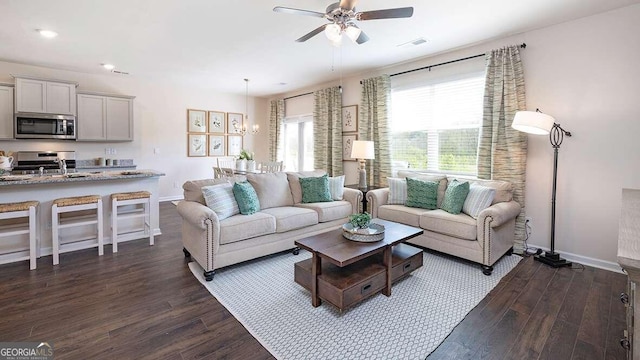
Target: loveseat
{"x": 483, "y": 239}
{"x": 283, "y": 218}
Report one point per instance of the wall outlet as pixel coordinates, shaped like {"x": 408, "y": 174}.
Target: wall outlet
{"x": 176, "y": 185}
{"x": 107, "y": 151}
{"x": 48, "y": 226}
{"x": 114, "y": 151}
{"x": 528, "y": 221}
{"x": 156, "y": 151}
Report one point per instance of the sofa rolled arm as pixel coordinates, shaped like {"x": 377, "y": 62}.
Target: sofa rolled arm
{"x": 354, "y": 197}
{"x": 500, "y": 213}
{"x": 196, "y": 214}
{"x": 375, "y": 199}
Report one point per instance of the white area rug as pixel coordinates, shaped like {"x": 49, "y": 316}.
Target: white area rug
{"x": 422, "y": 310}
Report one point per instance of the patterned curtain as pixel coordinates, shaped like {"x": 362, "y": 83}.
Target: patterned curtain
{"x": 502, "y": 152}
{"x": 327, "y": 130}
{"x": 276, "y": 118}
{"x": 374, "y": 125}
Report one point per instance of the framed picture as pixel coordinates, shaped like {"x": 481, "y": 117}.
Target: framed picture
{"x": 197, "y": 145}
{"x": 350, "y": 118}
{"x": 216, "y": 145}
{"x": 347, "y": 145}
{"x": 234, "y": 122}
{"x": 196, "y": 121}
{"x": 234, "y": 145}
{"x": 217, "y": 122}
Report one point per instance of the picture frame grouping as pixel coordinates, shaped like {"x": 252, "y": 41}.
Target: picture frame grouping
{"x": 213, "y": 133}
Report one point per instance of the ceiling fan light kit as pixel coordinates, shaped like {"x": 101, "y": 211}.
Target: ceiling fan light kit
{"x": 341, "y": 16}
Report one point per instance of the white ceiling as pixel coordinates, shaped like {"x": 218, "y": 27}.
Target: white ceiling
{"x": 216, "y": 44}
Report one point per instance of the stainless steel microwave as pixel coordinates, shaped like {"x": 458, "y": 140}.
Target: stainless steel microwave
{"x": 45, "y": 126}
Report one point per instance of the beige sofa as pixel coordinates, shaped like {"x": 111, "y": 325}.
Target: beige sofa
{"x": 282, "y": 219}
{"x": 483, "y": 240}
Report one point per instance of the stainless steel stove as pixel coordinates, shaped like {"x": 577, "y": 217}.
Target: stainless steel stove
{"x": 30, "y": 162}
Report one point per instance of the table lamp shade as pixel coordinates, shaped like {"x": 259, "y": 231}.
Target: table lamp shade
{"x": 533, "y": 122}
{"x": 363, "y": 150}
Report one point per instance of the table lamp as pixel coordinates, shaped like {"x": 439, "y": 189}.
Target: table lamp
{"x": 362, "y": 150}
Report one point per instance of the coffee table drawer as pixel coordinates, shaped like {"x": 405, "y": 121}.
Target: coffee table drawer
{"x": 343, "y": 287}
{"x": 406, "y": 259}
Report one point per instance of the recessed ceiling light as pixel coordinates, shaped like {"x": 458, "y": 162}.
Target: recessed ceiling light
{"x": 282, "y": 83}
{"x": 108, "y": 66}
{"x": 48, "y": 33}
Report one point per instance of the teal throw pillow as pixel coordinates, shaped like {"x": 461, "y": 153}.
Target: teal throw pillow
{"x": 246, "y": 197}
{"x": 422, "y": 194}
{"x": 455, "y": 196}
{"x": 315, "y": 189}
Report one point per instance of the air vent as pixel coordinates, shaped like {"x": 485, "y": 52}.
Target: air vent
{"x": 119, "y": 72}
{"x": 416, "y": 42}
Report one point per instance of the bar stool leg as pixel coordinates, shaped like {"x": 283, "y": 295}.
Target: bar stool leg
{"x": 147, "y": 209}
{"x": 114, "y": 225}
{"x": 100, "y": 229}
{"x": 54, "y": 235}
{"x": 32, "y": 238}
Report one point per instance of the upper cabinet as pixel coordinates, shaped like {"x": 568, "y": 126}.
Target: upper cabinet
{"x": 45, "y": 96}
{"x": 6, "y": 112}
{"x": 104, "y": 117}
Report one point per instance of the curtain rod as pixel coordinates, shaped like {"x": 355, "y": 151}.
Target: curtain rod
{"x": 523, "y": 45}
{"x": 305, "y": 94}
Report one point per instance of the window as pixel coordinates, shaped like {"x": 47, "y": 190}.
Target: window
{"x": 298, "y": 143}
{"x": 436, "y": 126}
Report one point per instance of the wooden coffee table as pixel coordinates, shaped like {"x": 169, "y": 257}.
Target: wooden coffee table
{"x": 344, "y": 272}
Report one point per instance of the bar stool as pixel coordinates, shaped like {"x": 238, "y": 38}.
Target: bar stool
{"x": 127, "y": 199}
{"x": 21, "y": 210}
{"x": 74, "y": 204}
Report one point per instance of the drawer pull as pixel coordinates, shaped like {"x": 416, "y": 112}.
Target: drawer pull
{"x": 406, "y": 267}
{"x": 625, "y": 344}
{"x": 365, "y": 288}
{"x": 624, "y": 298}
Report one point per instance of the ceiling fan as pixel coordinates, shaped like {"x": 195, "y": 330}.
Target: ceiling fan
{"x": 341, "y": 16}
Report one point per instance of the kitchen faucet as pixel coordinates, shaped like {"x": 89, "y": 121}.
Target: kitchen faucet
{"x": 63, "y": 165}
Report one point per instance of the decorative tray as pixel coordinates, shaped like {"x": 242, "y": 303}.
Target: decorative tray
{"x": 375, "y": 232}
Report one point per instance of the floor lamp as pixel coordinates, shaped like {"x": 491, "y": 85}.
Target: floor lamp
{"x": 535, "y": 122}
{"x": 362, "y": 150}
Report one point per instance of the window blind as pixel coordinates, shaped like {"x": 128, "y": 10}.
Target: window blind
{"x": 435, "y": 126}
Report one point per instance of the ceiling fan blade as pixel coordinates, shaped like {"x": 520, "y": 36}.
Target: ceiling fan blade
{"x": 348, "y": 4}
{"x": 363, "y": 38}
{"x": 386, "y": 14}
{"x": 312, "y": 33}
{"x": 293, "y": 11}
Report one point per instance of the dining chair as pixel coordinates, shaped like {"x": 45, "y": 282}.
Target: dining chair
{"x": 270, "y": 166}
{"x": 225, "y": 167}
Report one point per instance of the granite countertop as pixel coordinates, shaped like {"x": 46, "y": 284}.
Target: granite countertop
{"x": 76, "y": 177}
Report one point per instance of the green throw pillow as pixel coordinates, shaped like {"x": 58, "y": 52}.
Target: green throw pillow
{"x": 246, "y": 197}
{"x": 455, "y": 196}
{"x": 315, "y": 189}
{"x": 422, "y": 194}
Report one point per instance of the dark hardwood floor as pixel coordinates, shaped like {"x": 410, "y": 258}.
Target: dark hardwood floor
{"x": 143, "y": 303}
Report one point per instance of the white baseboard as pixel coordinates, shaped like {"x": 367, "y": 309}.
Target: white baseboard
{"x": 585, "y": 260}
{"x": 170, "y": 198}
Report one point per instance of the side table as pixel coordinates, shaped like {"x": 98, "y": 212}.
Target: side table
{"x": 364, "y": 193}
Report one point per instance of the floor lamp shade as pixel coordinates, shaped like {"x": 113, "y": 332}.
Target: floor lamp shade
{"x": 535, "y": 122}
{"x": 363, "y": 150}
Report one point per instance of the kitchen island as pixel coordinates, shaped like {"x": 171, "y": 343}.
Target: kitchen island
{"x": 45, "y": 189}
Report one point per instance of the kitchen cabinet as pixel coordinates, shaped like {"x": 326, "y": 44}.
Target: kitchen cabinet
{"x": 629, "y": 260}
{"x": 105, "y": 117}
{"x": 6, "y": 111}
{"x": 45, "y": 96}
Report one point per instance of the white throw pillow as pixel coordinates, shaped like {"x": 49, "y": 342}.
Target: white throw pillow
{"x": 336, "y": 187}
{"x": 397, "y": 191}
{"x": 479, "y": 198}
{"x": 220, "y": 199}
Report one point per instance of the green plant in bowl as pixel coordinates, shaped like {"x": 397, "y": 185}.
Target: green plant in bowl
{"x": 360, "y": 221}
